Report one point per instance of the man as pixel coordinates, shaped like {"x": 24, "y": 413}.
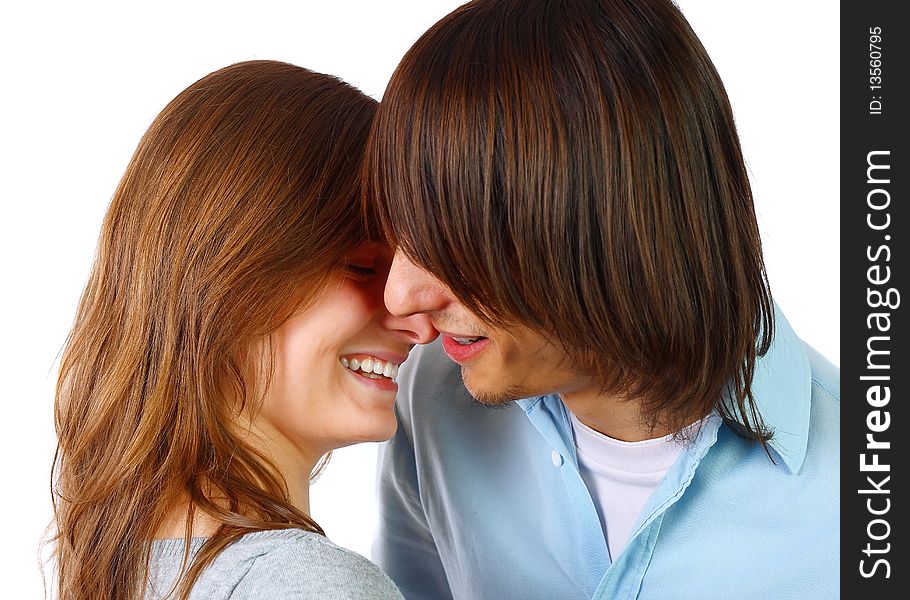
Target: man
{"x": 565, "y": 185}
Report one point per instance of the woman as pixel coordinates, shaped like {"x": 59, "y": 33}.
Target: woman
{"x": 231, "y": 334}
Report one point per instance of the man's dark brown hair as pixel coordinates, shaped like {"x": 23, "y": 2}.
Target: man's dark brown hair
{"x": 573, "y": 166}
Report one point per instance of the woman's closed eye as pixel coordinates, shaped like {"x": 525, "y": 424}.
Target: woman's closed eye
{"x": 361, "y": 270}
{"x": 367, "y": 262}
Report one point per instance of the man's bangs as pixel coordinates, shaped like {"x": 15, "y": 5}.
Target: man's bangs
{"x": 432, "y": 186}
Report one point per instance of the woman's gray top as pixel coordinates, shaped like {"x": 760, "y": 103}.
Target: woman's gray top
{"x": 284, "y": 563}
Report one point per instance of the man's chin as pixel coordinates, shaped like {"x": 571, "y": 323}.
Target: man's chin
{"x": 490, "y": 395}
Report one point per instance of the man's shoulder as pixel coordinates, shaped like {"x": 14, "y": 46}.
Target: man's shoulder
{"x": 825, "y": 375}
{"x": 823, "y": 446}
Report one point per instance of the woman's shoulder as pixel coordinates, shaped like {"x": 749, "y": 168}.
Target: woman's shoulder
{"x": 293, "y": 563}
{"x": 282, "y": 563}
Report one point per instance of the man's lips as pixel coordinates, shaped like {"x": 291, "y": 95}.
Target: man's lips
{"x": 463, "y": 348}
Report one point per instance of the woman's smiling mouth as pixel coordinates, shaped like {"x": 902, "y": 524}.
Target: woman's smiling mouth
{"x": 370, "y": 366}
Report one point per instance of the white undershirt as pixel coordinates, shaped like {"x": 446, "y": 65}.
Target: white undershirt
{"x": 620, "y": 477}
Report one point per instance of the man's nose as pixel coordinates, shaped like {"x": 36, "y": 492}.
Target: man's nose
{"x": 411, "y": 291}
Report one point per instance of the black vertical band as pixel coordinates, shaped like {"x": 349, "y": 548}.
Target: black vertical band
{"x": 875, "y": 228}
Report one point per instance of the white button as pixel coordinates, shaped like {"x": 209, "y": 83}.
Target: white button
{"x": 556, "y": 457}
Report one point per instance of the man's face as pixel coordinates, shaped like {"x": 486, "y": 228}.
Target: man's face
{"x": 498, "y": 365}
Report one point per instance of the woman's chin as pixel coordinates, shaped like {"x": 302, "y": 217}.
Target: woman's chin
{"x": 377, "y": 428}
{"x": 383, "y": 431}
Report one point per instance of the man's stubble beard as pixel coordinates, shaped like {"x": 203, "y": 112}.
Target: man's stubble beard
{"x": 497, "y": 399}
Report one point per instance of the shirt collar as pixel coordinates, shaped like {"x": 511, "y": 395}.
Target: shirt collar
{"x": 781, "y": 389}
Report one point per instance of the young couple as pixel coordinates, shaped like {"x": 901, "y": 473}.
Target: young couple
{"x": 555, "y": 189}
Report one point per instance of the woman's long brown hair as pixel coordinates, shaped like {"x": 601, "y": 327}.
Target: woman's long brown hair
{"x": 235, "y": 211}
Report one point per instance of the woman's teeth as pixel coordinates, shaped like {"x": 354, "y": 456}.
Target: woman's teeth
{"x": 371, "y": 367}
{"x": 465, "y": 341}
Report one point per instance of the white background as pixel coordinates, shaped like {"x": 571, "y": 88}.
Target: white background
{"x": 81, "y": 81}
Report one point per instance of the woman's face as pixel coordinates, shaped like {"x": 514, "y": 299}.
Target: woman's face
{"x": 336, "y": 362}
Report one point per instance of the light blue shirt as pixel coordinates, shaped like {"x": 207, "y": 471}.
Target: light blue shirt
{"x": 484, "y": 503}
